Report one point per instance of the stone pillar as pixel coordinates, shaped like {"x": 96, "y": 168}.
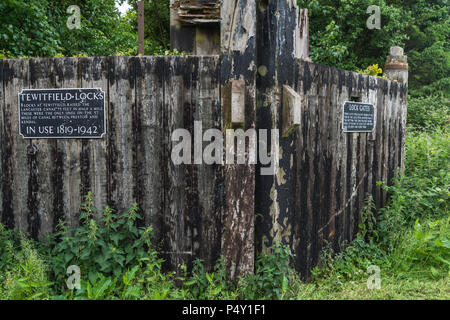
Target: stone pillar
{"x": 396, "y": 67}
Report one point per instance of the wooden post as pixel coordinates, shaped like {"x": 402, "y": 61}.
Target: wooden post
{"x": 238, "y": 47}
{"x": 278, "y": 47}
{"x": 141, "y": 20}
{"x": 195, "y": 26}
{"x": 302, "y": 36}
{"x": 15, "y": 179}
{"x": 182, "y": 37}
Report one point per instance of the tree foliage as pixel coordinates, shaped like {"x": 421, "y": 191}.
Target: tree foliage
{"x": 38, "y": 28}
{"x": 102, "y": 32}
{"x": 339, "y": 37}
{"x": 26, "y": 29}
{"x": 428, "y": 47}
{"x": 157, "y": 23}
{"x": 338, "y": 32}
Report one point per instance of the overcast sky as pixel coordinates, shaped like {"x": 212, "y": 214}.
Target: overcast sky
{"x": 123, "y": 8}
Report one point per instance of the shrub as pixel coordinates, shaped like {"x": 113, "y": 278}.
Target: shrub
{"x": 423, "y": 192}
{"x": 24, "y": 274}
{"x": 9, "y": 244}
{"x": 109, "y": 247}
{"x": 202, "y": 285}
{"x": 272, "y": 277}
{"x": 430, "y": 247}
{"x": 428, "y": 113}
{"x": 373, "y": 71}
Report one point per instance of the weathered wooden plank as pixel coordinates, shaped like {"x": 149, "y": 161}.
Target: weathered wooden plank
{"x": 393, "y": 133}
{"x": 399, "y": 105}
{"x": 66, "y": 167}
{"x": 182, "y": 37}
{"x": 334, "y": 130}
{"x": 302, "y": 164}
{"x": 41, "y": 195}
{"x": 208, "y": 182}
{"x": 359, "y": 163}
{"x": 150, "y": 141}
{"x": 302, "y": 36}
{"x": 385, "y": 144}
{"x": 378, "y": 150}
{"x": 120, "y": 145}
{"x": 177, "y": 242}
{"x": 390, "y": 131}
{"x": 16, "y": 172}
{"x": 371, "y": 139}
{"x": 194, "y": 28}
{"x": 198, "y": 217}
{"x": 355, "y": 183}
{"x": 404, "y": 107}
{"x": 306, "y": 179}
{"x": 93, "y": 73}
{"x": 324, "y": 155}
{"x": 313, "y": 179}
{"x": 365, "y": 172}
{"x": 322, "y": 173}
{"x": 238, "y": 48}
{"x": 326, "y": 226}
{"x": 351, "y": 168}
{"x": 361, "y": 179}
{"x": 342, "y": 220}
{"x": 278, "y": 35}
{"x": 364, "y": 151}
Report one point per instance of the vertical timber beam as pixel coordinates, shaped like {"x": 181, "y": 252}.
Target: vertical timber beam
{"x": 182, "y": 37}
{"x": 396, "y": 68}
{"x": 238, "y": 53}
{"x": 278, "y": 47}
{"x": 41, "y": 160}
{"x": 194, "y": 26}
{"x": 302, "y": 36}
{"x": 16, "y": 176}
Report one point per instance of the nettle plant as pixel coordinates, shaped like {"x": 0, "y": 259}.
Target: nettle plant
{"x": 109, "y": 247}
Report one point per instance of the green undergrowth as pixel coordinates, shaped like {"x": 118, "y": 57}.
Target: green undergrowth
{"x": 408, "y": 240}
{"x": 403, "y": 248}
{"x": 117, "y": 260}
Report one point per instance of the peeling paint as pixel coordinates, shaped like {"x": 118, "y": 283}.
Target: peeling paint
{"x": 281, "y": 177}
